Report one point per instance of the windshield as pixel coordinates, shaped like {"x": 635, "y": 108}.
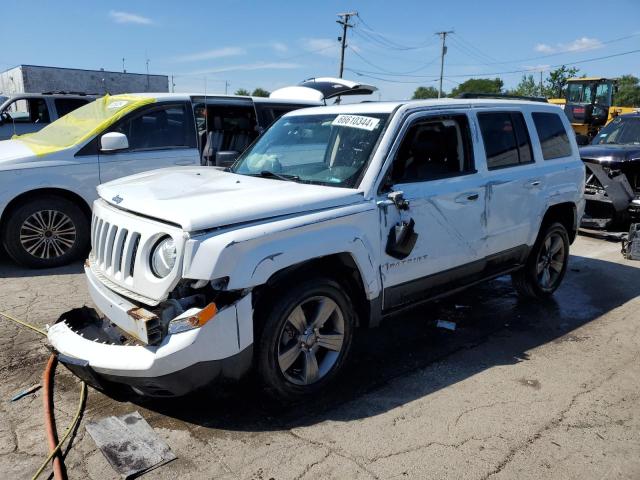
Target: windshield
{"x": 82, "y": 123}
{"x": 328, "y": 149}
{"x": 621, "y": 131}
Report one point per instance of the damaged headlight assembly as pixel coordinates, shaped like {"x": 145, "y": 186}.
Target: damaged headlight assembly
{"x": 163, "y": 257}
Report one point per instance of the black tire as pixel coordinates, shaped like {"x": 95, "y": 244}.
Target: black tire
{"x": 67, "y": 242}
{"x": 276, "y": 327}
{"x": 529, "y": 282}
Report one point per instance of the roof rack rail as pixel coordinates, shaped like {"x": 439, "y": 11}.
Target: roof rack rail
{"x": 502, "y": 96}
{"x": 64, "y": 92}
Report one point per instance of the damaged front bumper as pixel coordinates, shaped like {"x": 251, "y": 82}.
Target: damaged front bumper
{"x": 102, "y": 352}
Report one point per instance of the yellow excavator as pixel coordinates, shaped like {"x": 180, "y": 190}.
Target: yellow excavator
{"x": 590, "y": 104}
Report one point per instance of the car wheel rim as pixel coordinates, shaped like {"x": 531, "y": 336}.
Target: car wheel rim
{"x": 551, "y": 260}
{"x": 311, "y": 340}
{"x": 47, "y": 234}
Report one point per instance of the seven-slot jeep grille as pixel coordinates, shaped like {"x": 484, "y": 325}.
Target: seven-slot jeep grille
{"x": 114, "y": 249}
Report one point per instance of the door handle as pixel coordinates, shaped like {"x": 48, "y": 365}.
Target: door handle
{"x": 468, "y": 197}
{"x": 533, "y": 183}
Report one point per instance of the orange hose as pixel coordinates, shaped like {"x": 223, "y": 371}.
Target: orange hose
{"x": 59, "y": 472}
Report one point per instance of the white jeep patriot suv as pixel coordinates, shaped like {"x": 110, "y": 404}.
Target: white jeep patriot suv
{"x": 334, "y": 218}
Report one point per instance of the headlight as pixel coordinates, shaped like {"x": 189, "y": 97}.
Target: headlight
{"x": 163, "y": 257}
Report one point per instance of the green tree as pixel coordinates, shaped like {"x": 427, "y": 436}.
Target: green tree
{"x": 479, "y": 85}
{"x": 628, "y": 94}
{"x": 242, "y": 91}
{"x": 556, "y": 82}
{"x": 527, "y": 87}
{"x": 425, "y": 92}
{"x": 260, "y": 92}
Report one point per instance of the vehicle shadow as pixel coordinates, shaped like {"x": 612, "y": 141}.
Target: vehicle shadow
{"x": 410, "y": 342}
{"x": 10, "y": 269}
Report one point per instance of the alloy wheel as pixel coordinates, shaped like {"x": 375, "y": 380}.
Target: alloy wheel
{"x": 47, "y": 234}
{"x": 311, "y": 340}
{"x": 551, "y": 260}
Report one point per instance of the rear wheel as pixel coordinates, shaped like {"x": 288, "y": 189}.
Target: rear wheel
{"x": 45, "y": 232}
{"x": 546, "y": 265}
{"x": 305, "y": 339}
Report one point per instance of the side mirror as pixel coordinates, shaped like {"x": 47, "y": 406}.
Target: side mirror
{"x": 226, "y": 158}
{"x": 113, "y": 141}
{"x": 582, "y": 140}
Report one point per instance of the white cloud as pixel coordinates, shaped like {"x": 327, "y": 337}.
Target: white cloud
{"x": 249, "y": 66}
{"x": 327, "y": 47}
{"x": 537, "y": 68}
{"x": 584, "y": 43}
{"x": 279, "y": 47}
{"x": 211, "y": 54}
{"x": 544, "y": 48}
{"x": 577, "y": 45}
{"x": 126, "y": 17}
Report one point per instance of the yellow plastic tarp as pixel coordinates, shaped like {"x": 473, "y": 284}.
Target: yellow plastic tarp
{"x": 83, "y": 123}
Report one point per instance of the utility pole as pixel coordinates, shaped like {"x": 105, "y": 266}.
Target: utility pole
{"x": 541, "y": 93}
{"x": 173, "y": 85}
{"x": 148, "y": 86}
{"x": 443, "y": 35}
{"x": 344, "y": 21}
{"x": 226, "y": 86}
{"x": 124, "y": 70}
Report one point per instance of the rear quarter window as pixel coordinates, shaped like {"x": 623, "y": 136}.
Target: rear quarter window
{"x": 554, "y": 140}
{"x": 506, "y": 139}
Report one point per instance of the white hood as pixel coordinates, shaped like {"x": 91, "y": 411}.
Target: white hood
{"x": 14, "y": 154}
{"x": 198, "y": 198}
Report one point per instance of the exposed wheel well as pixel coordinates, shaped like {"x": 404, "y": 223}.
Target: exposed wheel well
{"x": 340, "y": 267}
{"x": 33, "y": 194}
{"x": 564, "y": 213}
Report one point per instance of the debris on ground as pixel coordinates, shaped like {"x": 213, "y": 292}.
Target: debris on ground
{"x": 129, "y": 444}
{"x": 447, "y": 325}
{"x": 631, "y": 244}
{"x": 26, "y": 392}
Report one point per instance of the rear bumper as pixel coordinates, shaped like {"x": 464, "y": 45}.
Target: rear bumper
{"x": 95, "y": 349}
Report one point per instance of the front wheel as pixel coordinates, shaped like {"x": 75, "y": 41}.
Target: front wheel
{"x": 305, "y": 339}
{"x": 546, "y": 265}
{"x": 48, "y": 231}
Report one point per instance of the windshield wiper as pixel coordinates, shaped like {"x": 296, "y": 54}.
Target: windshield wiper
{"x": 279, "y": 176}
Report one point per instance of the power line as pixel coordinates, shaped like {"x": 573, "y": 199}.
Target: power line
{"x": 555, "y": 54}
{"x": 382, "y": 70}
{"x": 435, "y": 77}
{"x": 386, "y": 41}
{"x": 530, "y": 70}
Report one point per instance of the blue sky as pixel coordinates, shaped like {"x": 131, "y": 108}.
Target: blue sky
{"x": 276, "y": 43}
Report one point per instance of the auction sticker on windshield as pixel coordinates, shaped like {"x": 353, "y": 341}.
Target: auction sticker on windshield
{"x": 356, "y": 121}
{"x": 117, "y": 104}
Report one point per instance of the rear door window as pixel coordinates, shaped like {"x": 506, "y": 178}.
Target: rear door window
{"x": 506, "y": 139}
{"x": 552, "y": 134}
{"x": 67, "y": 105}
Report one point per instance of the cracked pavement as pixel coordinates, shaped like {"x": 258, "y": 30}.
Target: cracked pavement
{"x": 519, "y": 390}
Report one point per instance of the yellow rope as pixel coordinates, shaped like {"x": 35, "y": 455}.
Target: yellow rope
{"x": 70, "y": 428}
{"x": 76, "y": 418}
{"x": 24, "y": 324}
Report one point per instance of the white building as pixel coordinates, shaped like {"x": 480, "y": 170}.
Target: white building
{"x": 39, "y": 79}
